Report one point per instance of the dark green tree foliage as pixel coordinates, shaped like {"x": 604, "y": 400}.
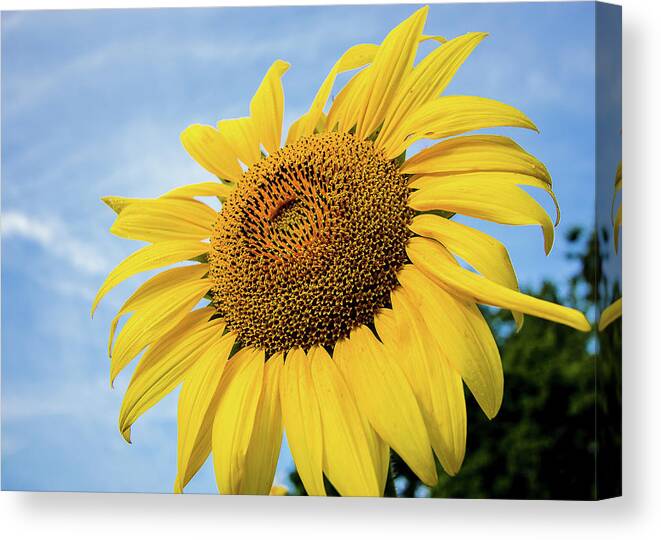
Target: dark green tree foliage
{"x": 541, "y": 445}
{"x": 609, "y": 379}
{"x": 609, "y": 412}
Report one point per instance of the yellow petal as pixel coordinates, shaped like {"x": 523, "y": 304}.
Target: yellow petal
{"x": 439, "y": 39}
{"x": 618, "y": 177}
{"x": 266, "y": 438}
{"x": 397, "y": 332}
{"x": 302, "y": 420}
{"x": 150, "y": 323}
{"x": 211, "y": 149}
{"x": 321, "y": 123}
{"x": 437, "y": 385}
{"x": 478, "y": 179}
{"x": 380, "y": 453}
{"x": 355, "y": 57}
{"x": 149, "y": 258}
{"x": 454, "y": 115}
{"x": 462, "y": 333}
{"x": 616, "y": 228}
{"x": 449, "y": 408}
{"x": 483, "y": 252}
{"x": 474, "y": 153}
{"x": 497, "y": 201}
{"x": 347, "y": 105}
{"x": 267, "y": 107}
{"x": 241, "y": 135}
{"x": 198, "y": 402}
{"x": 379, "y": 450}
{"x": 392, "y": 63}
{"x": 159, "y": 220}
{"x": 203, "y": 189}
{"x": 156, "y": 287}
{"x": 343, "y": 113}
{"x": 426, "y": 82}
{"x": 117, "y": 204}
{"x": 165, "y": 364}
{"x": 298, "y": 129}
{"x": 348, "y": 459}
{"x": 241, "y": 387}
{"x": 610, "y": 314}
{"x": 384, "y": 395}
{"x": 435, "y": 261}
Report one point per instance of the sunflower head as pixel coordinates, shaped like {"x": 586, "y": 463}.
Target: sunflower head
{"x": 326, "y": 297}
{"x": 309, "y": 244}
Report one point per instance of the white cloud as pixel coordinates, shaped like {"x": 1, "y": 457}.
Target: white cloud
{"x": 68, "y": 393}
{"x": 55, "y": 239}
{"x": 23, "y": 403}
{"x": 27, "y": 89}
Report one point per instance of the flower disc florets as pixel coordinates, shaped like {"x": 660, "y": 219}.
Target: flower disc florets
{"x": 308, "y": 245}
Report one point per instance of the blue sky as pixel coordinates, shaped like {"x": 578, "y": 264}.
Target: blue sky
{"x": 93, "y": 103}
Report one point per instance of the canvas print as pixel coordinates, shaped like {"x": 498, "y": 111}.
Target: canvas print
{"x": 335, "y": 250}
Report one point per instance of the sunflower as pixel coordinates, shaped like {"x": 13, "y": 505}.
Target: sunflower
{"x": 326, "y": 299}
{"x": 613, "y": 311}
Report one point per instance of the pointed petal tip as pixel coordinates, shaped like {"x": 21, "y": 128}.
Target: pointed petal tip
{"x": 492, "y": 412}
{"x": 113, "y": 373}
{"x": 480, "y": 36}
{"x": 584, "y": 325}
{"x": 452, "y": 469}
{"x": 178, "y": 488}
{"x": 282, "y": 64}
{"x": 549, "y": 239}
{"x": 95, "y": 304}
{"x": 430, "y": 477}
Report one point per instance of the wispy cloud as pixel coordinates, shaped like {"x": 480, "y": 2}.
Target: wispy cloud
{"x": 28, "y": 88}
{"x": 53, "y": 237}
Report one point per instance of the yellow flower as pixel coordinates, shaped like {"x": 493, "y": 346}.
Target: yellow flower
{"x": 337, "y": 309}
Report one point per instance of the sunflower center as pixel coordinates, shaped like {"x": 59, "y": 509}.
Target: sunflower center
{"x": 309, "y": 244}
{"x": 287, "y": 214}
